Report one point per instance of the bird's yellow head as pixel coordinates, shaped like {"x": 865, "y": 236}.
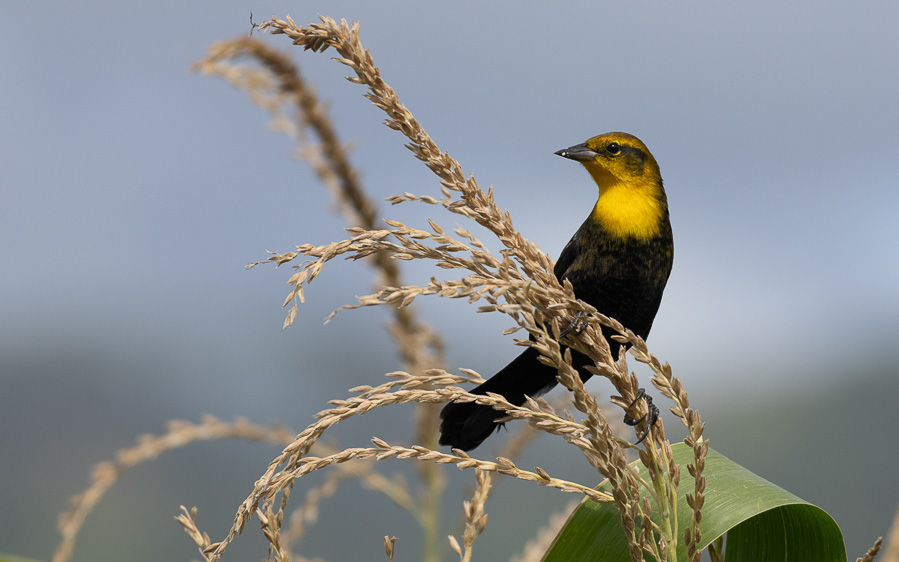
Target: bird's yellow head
{"x": 632, "y": 201}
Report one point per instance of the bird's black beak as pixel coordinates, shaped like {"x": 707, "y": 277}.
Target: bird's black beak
{"x": 580, "y": 152}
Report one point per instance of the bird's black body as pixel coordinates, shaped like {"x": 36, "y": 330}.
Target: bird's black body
{"x": 622, "y": 276}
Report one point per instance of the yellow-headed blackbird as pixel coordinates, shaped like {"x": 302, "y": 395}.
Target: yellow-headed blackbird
{"x": 618, "y": 261}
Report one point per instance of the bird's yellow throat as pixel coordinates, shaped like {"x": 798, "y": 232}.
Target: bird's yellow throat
{"x": 628, "y": 208}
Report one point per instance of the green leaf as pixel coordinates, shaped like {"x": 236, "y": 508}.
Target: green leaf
{"x": 762, "y": 521}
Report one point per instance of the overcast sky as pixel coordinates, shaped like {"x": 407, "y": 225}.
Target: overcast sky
{"x": 133, "y": 192}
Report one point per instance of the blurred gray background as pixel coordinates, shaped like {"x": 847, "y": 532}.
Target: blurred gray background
{"x": 133, "y": 192}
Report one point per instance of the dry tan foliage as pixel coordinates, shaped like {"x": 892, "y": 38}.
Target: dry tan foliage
{"x": 507, "y": 284}
{"x": 419, "y": 346}
{"x": 518, "y": 282}
{"x": 389, "y": 546}
{"x": 874, "y": 550}
{"x": 475, "y": 518}
{"x": 294, "y": 462}
{"x": 180, "y": 434}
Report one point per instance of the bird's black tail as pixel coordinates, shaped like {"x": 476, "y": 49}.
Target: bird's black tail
{"x": 466, "y": 425}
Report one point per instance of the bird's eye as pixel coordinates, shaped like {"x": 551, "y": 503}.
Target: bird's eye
{"x": 613, "y": 148}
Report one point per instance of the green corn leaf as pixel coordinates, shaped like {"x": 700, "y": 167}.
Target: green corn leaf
{"x": 762, "y": 521}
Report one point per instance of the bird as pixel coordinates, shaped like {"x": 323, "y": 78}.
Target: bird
{"x": 619, "y": 261}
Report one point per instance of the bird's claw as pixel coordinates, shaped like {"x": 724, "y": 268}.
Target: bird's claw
{"x": 651, "y": 415}
{"x": 577, "y": 325}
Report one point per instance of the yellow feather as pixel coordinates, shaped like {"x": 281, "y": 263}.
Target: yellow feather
{"x": 631, "y": 201}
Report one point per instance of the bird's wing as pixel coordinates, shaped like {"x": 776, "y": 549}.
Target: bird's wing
{"x": 569, "y": 252}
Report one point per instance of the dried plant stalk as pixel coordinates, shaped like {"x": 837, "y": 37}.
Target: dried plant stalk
{"x": 475, "y": 517}
{"x": 287, "y": 75}
{"x": 519, "y": 282}
{"x": 418, "y": 345}
{"x": 179, "y": 434}
{"x": 294, "y": 463}
{"x": 872, "y": 552}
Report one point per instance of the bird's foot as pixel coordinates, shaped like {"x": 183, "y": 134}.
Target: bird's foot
{"x": 651, "y": 415}
{"x": 577, "y": 325}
